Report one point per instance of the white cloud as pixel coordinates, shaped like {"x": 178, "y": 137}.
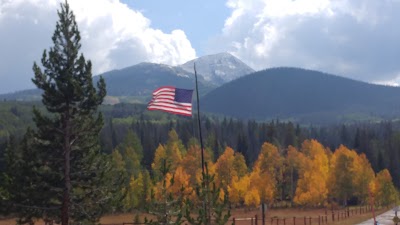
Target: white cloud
{"x": 357, "y": 39}
{"x": 113, "y": 36}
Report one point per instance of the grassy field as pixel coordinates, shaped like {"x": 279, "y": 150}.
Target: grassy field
{"x": 275, "y": 216}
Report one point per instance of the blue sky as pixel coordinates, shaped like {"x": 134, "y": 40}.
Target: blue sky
{"x": 354, "y": 39}
{"x": 201, "y": 20}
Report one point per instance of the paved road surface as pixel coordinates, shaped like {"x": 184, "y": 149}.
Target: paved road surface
{"x": 383, "y": 219}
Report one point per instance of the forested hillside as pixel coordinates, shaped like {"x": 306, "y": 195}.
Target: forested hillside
{"x": 303, "y": 96}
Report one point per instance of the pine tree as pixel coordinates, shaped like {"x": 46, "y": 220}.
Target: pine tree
{"x": 66, "y": 141}
{"x": 166, "y": 207}
{"x": 214, "y": 208}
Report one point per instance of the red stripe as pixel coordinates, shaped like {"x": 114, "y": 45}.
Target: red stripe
{"x": 169, "y": 101}
{"x": 177, "y": 113}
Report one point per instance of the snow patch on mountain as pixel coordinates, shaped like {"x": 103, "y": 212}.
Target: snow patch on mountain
{"x": 218, "y": 68}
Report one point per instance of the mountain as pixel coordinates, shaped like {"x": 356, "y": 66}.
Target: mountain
{"x": 24, "y": 95}
{"x": 219, "y": 68}
{"x": 142, "y": 79}
{"x": 132, "y": 84}
{"x": 136, "y": 83}
{"x": 303, "y": 96}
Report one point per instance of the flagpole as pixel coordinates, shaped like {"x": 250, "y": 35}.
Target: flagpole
{"x": 205, "y": 179}
{"x": 198, "y": 119}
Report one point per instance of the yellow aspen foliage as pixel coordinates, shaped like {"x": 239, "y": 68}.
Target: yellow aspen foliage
{"x": 171, "y": 153}
{"x": 292, "y": 165}
{"x": 158, "y": 161}
{"x": 264, "y": 183}
{"x": 292, "y": 157}
{"x": 268, "y": 172}
{"x": 173, "y": 156}
{"x": 342, "y": 174}
{"x": 372, "y": 191}
{"x": 181, "y": 179}
{"x": 386, "y": 193}
{"x": 239, "y": 164}
{"x": 191, "y": 163}
{"x": 133, "y": 193}
{"x": 174, "y": 145}
{"x": 224, "y": 168}
{"x": 252, "y": 198}
{"x": 312, "y": 187}
{"x": 372, "y": 188}
{"x": 363, "y": 175}
{"x": 158, "y": 187}
{"x": 238, "y": 189}
{"x": 221, "y": 196}
{"x": 269, "y": 160}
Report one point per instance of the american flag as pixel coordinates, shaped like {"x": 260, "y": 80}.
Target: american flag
{"x": 172, "y": 100}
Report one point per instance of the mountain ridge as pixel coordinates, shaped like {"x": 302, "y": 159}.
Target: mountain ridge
{"x": 288, "y": 92}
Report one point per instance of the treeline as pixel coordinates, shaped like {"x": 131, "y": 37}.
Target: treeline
{"x": 310, "y": 175}
{"x": 379, "y": 141}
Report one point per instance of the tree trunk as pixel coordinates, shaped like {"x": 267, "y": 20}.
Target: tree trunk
{"x": 67, "y": 168}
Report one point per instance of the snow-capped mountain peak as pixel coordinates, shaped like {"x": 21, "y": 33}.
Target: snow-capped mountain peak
{"x": 218, "y": 68}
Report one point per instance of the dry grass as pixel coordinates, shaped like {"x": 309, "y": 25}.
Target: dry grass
{"x": 272, "y": 216}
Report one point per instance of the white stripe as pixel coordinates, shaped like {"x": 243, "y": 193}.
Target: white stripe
{"x": 170, "y": 105}
{"x": 172, "y": 110}
{"x": 164, "y": 96}
{"x": 171, "y": 102}
{"x": 172, "y": 90}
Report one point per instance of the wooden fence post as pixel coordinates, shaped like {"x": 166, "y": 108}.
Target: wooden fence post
{"x": 256, "y": 219}
{"x": 263, "y": 213}
{"x": 305, "y": 220}
{"x": 294, "y": 220}
{"x": 233, "y": 220}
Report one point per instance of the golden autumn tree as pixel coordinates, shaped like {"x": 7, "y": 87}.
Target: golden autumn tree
{"x": 171, "y": 152}
{"x": 174, "y": 150}
{"x": 158, "y": 162}
{"x": 224, "y": 168}
{"x": 386, "y": 193}
{"x": 252, "y": 198}
{"x": 239, "y": 165}
{"x": 264, "y": 184}
{"x": 267, "y": 171}
{"x": 363, "y": 175}
{"x": 342, "y": 174}
{"x": 312, "y": 187}
{"x": 191, "y": 163}
{"x": 132, "y": 199}
{"x": 238, "y": 189}
{"x": 181, "y": 182}
{"x": 292, "y": 165}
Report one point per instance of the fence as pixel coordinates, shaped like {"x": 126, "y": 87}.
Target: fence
{"x": 329, "y": 217}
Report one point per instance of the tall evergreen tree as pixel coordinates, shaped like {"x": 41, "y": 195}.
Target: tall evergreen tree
{"x": 66, "y": 141}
